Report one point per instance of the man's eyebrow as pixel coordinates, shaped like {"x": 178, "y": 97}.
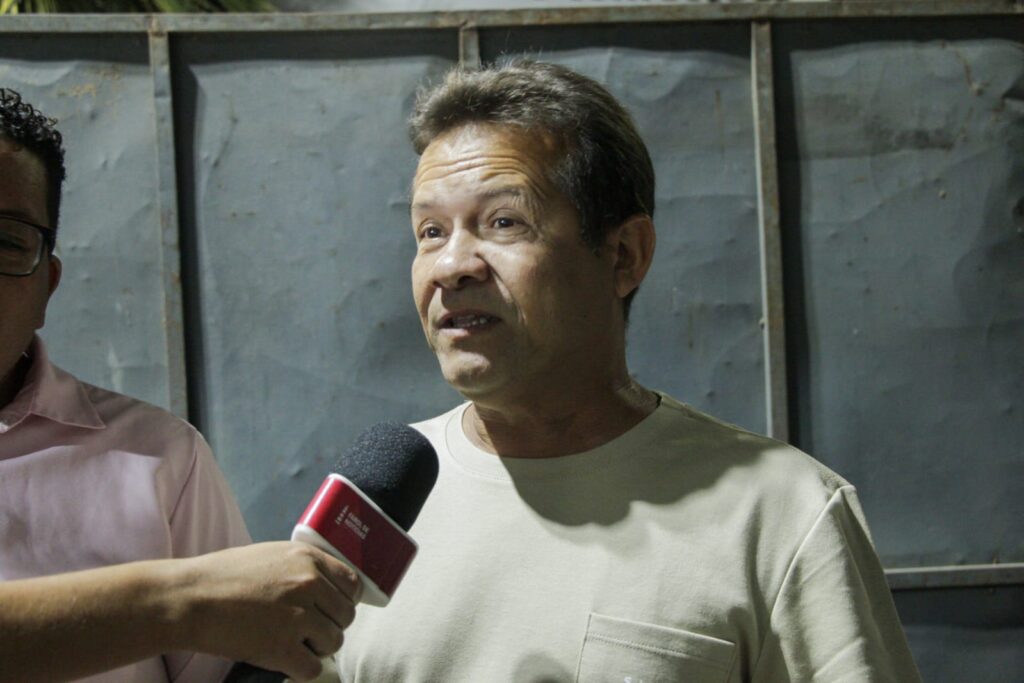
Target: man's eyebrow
{"x": 515, "y": 192}
{"x": 496, "y": 193}
{"x": 503, "y": 192}
{"x": 17, "y": 213}
{"x": 528, "y": 198}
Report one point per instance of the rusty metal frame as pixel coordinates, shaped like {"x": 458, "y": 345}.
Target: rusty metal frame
{"x": 167, "y": 207}
{"x": 955, "y": 576}
{"x": 469, "y": 46}
{"x": 734, "y": 11}
{"x": 159, "y": 28}
{"x": 773, "y": 321}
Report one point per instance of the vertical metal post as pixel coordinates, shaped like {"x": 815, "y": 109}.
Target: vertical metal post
{"x": 469, "y": 47}
{"x": 770, "y": 230}
{"x": 167, "y": 204}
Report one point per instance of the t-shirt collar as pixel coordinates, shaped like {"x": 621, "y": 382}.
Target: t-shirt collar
{"x": 476, "y": 461}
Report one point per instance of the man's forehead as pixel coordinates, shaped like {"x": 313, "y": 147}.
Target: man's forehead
{"x": 9, "y": 147}
{"x": 13, "y": 152}
{"x": 486, "y": 160}
{"x": 22, "y": 182}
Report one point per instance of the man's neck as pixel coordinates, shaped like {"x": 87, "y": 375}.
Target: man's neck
{"x": 533, "y": 429}
{"x": 11, "y": 383}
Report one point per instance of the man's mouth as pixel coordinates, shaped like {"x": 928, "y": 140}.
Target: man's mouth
{"x": 467, "y": 321}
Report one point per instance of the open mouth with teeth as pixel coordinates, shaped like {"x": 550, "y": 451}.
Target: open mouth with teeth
{"x": 468, "y": 321}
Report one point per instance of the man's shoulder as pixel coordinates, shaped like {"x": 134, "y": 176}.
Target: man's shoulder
{"x": 134, "y": 419}
{"x": 707, "y": 446}
{"x": 120, "y": 409}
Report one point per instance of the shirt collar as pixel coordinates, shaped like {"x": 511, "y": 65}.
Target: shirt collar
{"x": 51, "y": 393}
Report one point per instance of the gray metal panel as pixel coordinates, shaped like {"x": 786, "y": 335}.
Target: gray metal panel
{"x": 288, "y": 367}
{"x": 965, "y": 634}
{"x": 298, "y": 171}
{"x": 695, "y": 327}
{"x": 902, "y": 150}
{"x": 105, "y": 322}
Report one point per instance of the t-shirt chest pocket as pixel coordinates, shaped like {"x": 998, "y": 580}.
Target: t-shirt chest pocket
{"x": 621, "y": 651}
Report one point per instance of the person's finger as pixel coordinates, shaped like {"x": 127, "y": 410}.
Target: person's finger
{"x": 340, "y": 575}
{"x": 312, "y": 648}
{"x": 335, "y": 605}
{"x": 323, "y": 635}
{"x": 302, "y": 664}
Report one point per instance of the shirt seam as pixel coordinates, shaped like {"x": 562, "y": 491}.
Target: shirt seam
{"x": 660, "y": 650}
{"x": 579, "y": 470}
{"x": 188, "y": 479}
{"x": 791, "y": 567}
{"x": 456, "y": 414}
{"x": 172, "y": 679}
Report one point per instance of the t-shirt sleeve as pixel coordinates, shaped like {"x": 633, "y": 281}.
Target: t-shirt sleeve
{"x": 834, "y": 619}
{"x": 206, "y": 518}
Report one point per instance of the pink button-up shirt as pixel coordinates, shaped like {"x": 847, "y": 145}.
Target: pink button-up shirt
{"x": 89, "y": 478}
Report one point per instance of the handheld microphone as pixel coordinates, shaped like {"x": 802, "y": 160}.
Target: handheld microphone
{"x": 361, "y": 515}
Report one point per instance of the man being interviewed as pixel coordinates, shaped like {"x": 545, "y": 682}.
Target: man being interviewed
{"x": 584, "y": 527}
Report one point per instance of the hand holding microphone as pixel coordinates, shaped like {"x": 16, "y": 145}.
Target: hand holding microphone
{"x": 304, "y": 594}
{"x": 360, "y": 516}
{"x": 277, "y": 604}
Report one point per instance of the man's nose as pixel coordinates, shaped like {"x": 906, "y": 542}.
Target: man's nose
{"x": 460, "y": 262}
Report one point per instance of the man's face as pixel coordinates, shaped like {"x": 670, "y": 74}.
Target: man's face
{"x": 513, "y": 303}
{"x": 23, "y": 299}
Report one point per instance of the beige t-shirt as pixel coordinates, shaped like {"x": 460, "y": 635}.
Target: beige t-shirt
{"x": 683, "y": 550}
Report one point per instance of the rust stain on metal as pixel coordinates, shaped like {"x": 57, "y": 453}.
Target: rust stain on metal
{"x": 79, "y": 91}
{"x": 975, "y": 87}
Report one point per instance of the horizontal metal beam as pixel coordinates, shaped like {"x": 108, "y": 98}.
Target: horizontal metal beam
{"x": 955, "y": 576}
{"x": 336, "y": 21}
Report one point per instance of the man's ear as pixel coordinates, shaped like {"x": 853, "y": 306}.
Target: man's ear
{"x": 56, "y": 268}
{"x": 632, "y": 245}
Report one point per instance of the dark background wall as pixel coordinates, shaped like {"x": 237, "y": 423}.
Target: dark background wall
{"x": 236, "y": 248}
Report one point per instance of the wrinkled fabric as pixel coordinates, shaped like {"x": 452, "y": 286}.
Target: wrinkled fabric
{"x": 90, "y": 478}
{"x": 684, "y": 550}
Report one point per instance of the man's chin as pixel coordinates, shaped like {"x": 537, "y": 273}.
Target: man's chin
{"x": 473, "y": 381}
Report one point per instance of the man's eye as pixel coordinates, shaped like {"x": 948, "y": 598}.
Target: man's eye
{"x": 12, "y": 246}
{"x": 430, "y": 232}
{"x": 505, "y": 222}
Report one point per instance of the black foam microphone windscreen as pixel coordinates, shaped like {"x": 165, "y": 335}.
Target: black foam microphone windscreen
{"x": 390, "y": 466}
{"x": 395, "y": 466}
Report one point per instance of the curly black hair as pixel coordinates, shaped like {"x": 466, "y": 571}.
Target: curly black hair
{"x": 23, "y": 124}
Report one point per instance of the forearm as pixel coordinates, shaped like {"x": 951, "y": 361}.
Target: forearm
{"x": 73, "y": 625}
{"x": 278, "y": 605}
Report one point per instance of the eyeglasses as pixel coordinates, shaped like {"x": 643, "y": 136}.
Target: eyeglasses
{"x": 21, "y": 245}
